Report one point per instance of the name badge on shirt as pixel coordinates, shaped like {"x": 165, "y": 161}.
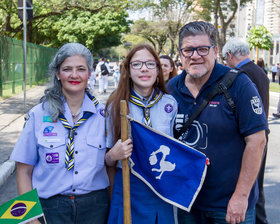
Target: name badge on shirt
{"x": 52, "y": 158}
{"x": 52, "y": 140}
{"x": 49, "y": 119}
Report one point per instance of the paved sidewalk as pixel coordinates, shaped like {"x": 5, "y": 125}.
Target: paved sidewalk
{"x": 12, "y": 121}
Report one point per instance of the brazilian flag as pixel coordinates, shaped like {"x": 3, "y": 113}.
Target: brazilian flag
{"x": 21, "y": 209}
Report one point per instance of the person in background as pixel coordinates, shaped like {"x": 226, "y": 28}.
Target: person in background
{"x": 91, "y": 82}
{"x": 274, "y": 72}
{"x": 142, "y": 86}
{"x": 232, "y": 140}
{"x": 102, "y": 71}
{"x": 116, "y": 74}
{"x": 278, "y": 72}
{"x": 260, "y": 63}
{"x": 277, "y": 114}
{"x": 236, "y": 53}
{"x": 266, "y": 68}
{"x": 168, "y": 67}
{"x": 180, "y": 68}
{"x": 62, "y": 146}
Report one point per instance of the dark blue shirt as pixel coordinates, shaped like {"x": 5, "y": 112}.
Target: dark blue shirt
{"x": 219, "y": 133}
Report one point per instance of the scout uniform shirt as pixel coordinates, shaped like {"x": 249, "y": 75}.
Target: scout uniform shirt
{"x": 162, "y": 115}
{"x": 42, "y": 144}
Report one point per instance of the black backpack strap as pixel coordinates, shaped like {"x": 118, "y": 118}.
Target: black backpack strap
{"x": 226, "y": 83}
{"x": 221, "y": 87}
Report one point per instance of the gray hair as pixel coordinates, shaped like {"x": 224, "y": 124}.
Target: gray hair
{"x": 52, "y": 100}
{"x": 198, "y": 28}
{"x": 236, "y": 47}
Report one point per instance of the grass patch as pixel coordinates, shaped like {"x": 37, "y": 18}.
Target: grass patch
{"x": 274, "y": 87}
{"x": 9, "y": 93}
{"x": 7, "y": 89}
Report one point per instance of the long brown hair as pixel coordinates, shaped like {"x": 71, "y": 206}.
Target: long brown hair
{"x": 172, "y": 63}
{"x": 124, "y": 87}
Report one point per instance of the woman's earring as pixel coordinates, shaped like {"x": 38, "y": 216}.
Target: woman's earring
{"x": 58, "y": 78}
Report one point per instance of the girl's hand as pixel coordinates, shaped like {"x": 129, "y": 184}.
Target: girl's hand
{"x": 35, "y": 221}
{"x": 121, "y": 150}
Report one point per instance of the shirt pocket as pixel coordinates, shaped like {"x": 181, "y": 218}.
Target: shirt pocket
{"x": 52, "y": 154}
{"x": 96, "y": 150}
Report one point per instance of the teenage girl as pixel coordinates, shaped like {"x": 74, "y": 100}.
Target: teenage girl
{"x": 142, "y": 86}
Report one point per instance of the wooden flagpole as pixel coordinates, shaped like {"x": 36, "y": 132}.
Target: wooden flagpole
{"x": 125, "y": 167}
{"x": 45, "y": 219}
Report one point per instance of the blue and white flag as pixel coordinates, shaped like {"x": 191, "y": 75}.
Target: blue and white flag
{"x": 174, "y": 171}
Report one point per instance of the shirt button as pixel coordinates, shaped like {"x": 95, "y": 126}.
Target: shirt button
{"x": 76, "y": 152}
{"x": 51, "y": 146}
{"x": 99, "y": 146}
{"x": 76, "y": 133}
{"x": 76, "y": 172}
{"x": 194, "y": 103}
{"x": 74, "y": 190}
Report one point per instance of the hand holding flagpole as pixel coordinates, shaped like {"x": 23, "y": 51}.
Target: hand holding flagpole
{"x": 125, "y": 167}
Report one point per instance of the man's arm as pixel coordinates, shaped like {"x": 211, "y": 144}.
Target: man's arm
{"x": 97, "y": 69}
{"x": 251, "y": 161}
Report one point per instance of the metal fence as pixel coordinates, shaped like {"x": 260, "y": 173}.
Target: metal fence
{"x": 12, "y": 65}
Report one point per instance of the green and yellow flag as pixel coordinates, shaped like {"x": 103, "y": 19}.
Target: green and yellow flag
{"x": 21, "y": 209}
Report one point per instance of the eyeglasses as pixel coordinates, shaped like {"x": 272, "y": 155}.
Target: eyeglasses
{"x": 201, "y": 51}
{"x": 139, "y": 64}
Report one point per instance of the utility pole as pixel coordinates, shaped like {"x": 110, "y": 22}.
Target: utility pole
{"x": 23, "y": 17}
{"x": 24, "y": 53}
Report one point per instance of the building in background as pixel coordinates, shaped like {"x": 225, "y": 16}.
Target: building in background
{"x": 272, "y": 23}
{"x": 261, "y": 12}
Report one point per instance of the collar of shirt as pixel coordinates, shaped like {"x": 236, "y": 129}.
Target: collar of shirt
{"x": 87, "y": 105}
{"x": 218, "y": 71}
{"x": 144, "y": 99}
{"x": 247, "y": 60}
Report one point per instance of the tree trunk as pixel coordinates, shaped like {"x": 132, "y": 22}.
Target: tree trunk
{"x": 172, "y": 48}
{"x": 29, "y": 31}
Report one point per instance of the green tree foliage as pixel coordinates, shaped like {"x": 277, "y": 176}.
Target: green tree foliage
{"x": 96, "y": 31}
{"x": 154, "y": 32}
{"x": 163, "y": 29}
{"x": 223, "y": 12}
{"x": 134, "y": 39}
{"x": 95, "y": 23}
{"x": 260, "y": 37}
{"x": 173, "y": 14}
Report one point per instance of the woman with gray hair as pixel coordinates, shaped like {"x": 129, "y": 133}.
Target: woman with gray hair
{"x": 62, "y": 146}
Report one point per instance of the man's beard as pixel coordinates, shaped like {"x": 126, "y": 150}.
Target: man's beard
{"x": 197, "y": 76}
